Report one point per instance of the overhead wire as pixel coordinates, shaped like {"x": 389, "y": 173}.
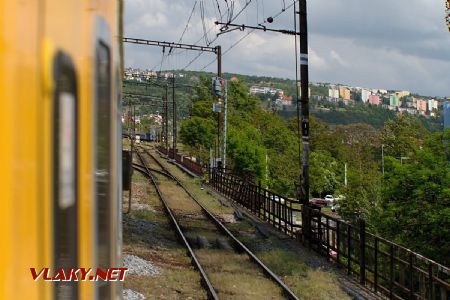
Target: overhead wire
{"x": 247, "y": 3}
{"x": 179, "y": 40}
{"x": 250, "y": 32}
{"x": 216, "y": 37}
{"x": 202, "y": 15}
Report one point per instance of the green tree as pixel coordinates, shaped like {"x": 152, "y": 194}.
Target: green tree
{"x": 415, "y": 205}
{"x": 323, "y": 172}
{"x": 247, "y": 156}
{"x": 198, "y": 133}
{"x": 402, "y": 136}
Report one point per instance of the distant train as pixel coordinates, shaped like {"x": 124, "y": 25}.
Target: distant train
{"x": 145, "y": 137}
{"x": 61, "y": 185}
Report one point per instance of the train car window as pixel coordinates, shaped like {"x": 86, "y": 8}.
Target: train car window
{"x": 65, "y": 213}
{"x": 103, "y": 125}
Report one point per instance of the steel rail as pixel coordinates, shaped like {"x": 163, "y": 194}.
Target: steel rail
{"x": 154, "y": 170}
{"x": 287, "y": 291}
{"x": 207, "y": 284}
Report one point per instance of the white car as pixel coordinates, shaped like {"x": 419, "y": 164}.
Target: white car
{"x": 278, "y": 199}
{"x": 329, "y": 199}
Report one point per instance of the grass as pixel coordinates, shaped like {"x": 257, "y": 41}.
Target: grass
{"x": 236, "y": 277}
{"x": 305, "y": 282}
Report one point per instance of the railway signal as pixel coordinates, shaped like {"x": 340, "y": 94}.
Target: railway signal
{"x": 217, "y": 87}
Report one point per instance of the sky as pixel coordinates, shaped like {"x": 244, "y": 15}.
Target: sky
{"x": 384, "y": 44}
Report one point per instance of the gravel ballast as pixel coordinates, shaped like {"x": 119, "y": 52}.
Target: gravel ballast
{"x": 139, "y": 266}
{"x": 132, "y": 295}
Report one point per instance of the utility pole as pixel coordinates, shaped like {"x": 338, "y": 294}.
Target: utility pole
{"x": 225, "y": 102}
{"x": 174, "y": 122}
{"x": 345, "y": 174}
{"x": 382, "y": 159}
{"x": 132, "y": 136}
{"x": 304, "y": 80}
{"x": 219, "y": 114}
{"x": 166, "y": 120}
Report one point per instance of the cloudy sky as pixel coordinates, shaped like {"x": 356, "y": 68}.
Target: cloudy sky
{"x": 387, "y": 44}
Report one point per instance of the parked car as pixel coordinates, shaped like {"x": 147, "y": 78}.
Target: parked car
{"x": 329, "y": 199}
{"x": 278, "y": 199}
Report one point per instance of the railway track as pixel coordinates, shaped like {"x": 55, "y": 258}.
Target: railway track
{"x": 195, "y": 222}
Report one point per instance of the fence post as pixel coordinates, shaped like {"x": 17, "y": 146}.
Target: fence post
{"x": 430, "y": 279}
{"x": 264, "y": 204}
{"x": 362, "y": 251}
{"x": 259, "y": 199}
{"x": 375, "y": 267}
{"x": 349, "y": 253}
{"x": 319, "y": 232}
{"x": 411, "y": 278}
{"x": 338, "y": 241}
{"x": 391, "y": 272}
{"x": 327, "y": 228}
{"x": 309, "y": 227}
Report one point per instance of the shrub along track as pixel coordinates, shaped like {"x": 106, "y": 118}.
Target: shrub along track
{"x": 227, "y": 267}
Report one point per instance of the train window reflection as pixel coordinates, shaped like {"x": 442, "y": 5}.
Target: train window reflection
{"x": 103, "y": 156}
{"x": 65, "y": 173}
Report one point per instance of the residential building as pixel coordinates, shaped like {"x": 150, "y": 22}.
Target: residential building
{"x": 365, "y": 94}
{"x": 286, "y": 100}
{"x": 432, "y": 105}
{"x": 421, "y": 106}
{"x": 401, "y": 94}
{"x": 447, "y": 114}
{"x": 344, "y": 93}
{"x": 259, "y": 90}
{"x": 264, "y": 90}
{"x": 333, "y": 93}
{"x": 374, "y": 100}
{"x": 393, "y": 100}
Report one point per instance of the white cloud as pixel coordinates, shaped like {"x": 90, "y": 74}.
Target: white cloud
{"x": 337, "y": 58}
{"x": 384, "y": 44}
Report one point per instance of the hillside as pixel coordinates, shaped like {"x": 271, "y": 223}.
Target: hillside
{"x": 332, "y": 114}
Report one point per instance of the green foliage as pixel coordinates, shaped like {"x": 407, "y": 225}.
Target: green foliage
{"x": 197, "y": 132}
{"x": 415, "y": 205}
{"x": 402, "y": 136}
{"x": 247, "y": 156}
{"x": 359, "y": 113}
{"x": 361, "y": 194}
{"x": 323, "y": 173}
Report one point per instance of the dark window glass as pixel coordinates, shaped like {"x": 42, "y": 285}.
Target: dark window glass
{"x": 65, "y": 173}
{"x": 103, "y": 169}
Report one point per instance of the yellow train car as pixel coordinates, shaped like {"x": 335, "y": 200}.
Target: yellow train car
{"x": 60, "y": 153}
